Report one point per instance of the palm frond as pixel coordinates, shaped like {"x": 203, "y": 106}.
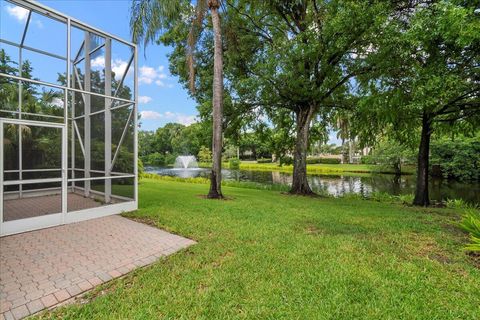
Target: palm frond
{"x": 471, "y": 224}
{"x": 148, "y": 18}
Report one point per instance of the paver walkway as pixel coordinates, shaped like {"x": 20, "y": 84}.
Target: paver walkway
{"x": 43, "y": 268}
{"x": 38, "y": 206}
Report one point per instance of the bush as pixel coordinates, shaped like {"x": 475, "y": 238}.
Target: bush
{"x": 234, "y": 164}
{"x": 230, "y": 152}
{"x": 367, "y": 160}
{"x": 317, "y": 160}
{"x": 140, "y": 167}
{"x": 391, "y": 156}
{"x": 460, "y": 204}
{"x": 204, "y": 155}
{"x": 459, "y": 159}
{"x": 288, "y": 161}
{"x": 170, "y": 158}
{"x": 471, "y": 224}
{"x": 264, "y": 160}
{"x": 155, "y": 159}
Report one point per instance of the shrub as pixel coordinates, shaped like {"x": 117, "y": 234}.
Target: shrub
{"x": 204, "y": 155}
{"x": 459, "y": 204}
{"x": 406, "y": 198}
{"x": 264, "y": 160}
{"x": 288, "y": 161}
{"x": 234, "y": 163}
{"x": 390, "y": 155}
{"x": 140, "y": 167}
{"x": 367, "y": 160}
{"x": 230, "y": 152}
{"x": 471, "y": 224}
{"x": 155, "y": 159}
{"x": 459, "y": 159}
{"x": 170, "y": 158}
{"x": 382, "y": 197}
{"x": 316, "y": 160}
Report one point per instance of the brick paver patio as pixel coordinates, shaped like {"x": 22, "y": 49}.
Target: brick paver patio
{"x": 38, "y": 206}
{"x": 43, "y": 268}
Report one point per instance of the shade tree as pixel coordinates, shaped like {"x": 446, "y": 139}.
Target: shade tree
{"x": 428, "y": 81}
{"x": 299, "y": 59}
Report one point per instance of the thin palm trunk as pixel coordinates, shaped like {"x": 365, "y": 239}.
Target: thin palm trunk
{"x": 216, "y": 176}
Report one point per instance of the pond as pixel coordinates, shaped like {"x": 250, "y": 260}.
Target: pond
{"x": 337, "y": 185}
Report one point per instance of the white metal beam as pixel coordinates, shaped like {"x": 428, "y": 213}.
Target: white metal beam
{"x": 135, "y": 128}
{"x": 54, "y": 85}
{"x": 52, "y": 13}
{"x": 65, "y": 128}
{"x": 14, "y": 44}
{"x": 87, "y": 128}
{"x": 108, "y": 118}
{"x": 125, "y": 129}
{"x": 25, "y": 30}
{"x": 1, "y": 177}
{"x": 119, "y": 85}
{"x": 79, "y": 138}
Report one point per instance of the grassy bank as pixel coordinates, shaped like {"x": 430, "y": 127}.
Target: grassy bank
{"x": 265, "y": 255}
{"x": 329, "y": 169}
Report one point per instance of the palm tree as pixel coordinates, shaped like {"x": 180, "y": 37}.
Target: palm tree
{"x": 148, "y": 19}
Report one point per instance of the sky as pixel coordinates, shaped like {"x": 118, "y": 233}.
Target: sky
{"x": 162, "y": 98}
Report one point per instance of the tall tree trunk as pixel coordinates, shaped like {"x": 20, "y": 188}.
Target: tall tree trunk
{"x": 421, "y": 191}
{"x": 343, "y": 152}
{"x": 300, "y": 183}
{"x": 216, "y": 176}
{"x": 351, "y": 150}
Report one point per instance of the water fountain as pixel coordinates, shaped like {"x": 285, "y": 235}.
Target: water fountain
{"x": 186, "y": 162}
{"x": 184, "y": 167}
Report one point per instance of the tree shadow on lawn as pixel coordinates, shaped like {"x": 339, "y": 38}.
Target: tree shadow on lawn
{"x": 224, "y": 198}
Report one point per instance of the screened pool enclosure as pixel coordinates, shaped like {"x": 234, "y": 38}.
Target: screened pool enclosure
{"x": 68, "y": 120}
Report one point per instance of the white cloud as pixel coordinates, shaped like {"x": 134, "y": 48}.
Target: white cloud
{"x": 150, "y": 115}
{"x": 21, "y": 15}
{"x": 18, "y": 13}
{"x": 119, "y": 66}
{"x": 181, "y": 118}
{"x": 149, "y": 75}
{"x": 98, "y": 62}
{"x": 57, "y": 102}
{"x": 186, "y": 119}
{"x": 144, "y": 99}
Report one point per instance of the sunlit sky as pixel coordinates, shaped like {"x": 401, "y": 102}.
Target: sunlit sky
{"x": 161, "y": 98}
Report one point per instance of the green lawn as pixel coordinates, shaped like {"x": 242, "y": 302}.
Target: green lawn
{"x": 265, "y": 255}
{"x": 344, "y": 169}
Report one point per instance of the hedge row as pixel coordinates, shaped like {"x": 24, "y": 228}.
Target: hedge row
{"x": 264, "y": 160}
{"x": 323, "y": 160}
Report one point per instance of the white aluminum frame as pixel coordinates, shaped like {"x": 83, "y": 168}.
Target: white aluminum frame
{"x": 71, "y": 131}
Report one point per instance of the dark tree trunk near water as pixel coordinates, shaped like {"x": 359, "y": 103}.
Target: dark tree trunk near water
{"x": 300, "y": 184}
{"x": 217, "y": 105}
{"x": 421, "y": 192}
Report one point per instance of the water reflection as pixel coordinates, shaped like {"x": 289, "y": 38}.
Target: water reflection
{"x": 440, "y": 189}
